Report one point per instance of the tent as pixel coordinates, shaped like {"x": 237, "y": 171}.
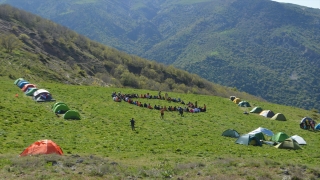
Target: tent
{"x": 56, "y": 104}
{"x": 267, "y": 113}
{"x": 244, "y": 104}
{"x": 42, "y": 147}
{"x": 317, "y": 127}
{"x": 40, "y": 91}
{"x": 72, "y": 114}
{"x": 17, "y": 81}
{"x": 30, "y": 91}
{"x": 61, "y": 109}
{"x": 262, "y": 130}
{"x": 231, "y": 133}
{"x": 22, "y": 83}
{"x": 248, "y": 139}
{"x": 305, "y": 119}
{"x": 237, "y": 100}
{"x": 279, "y": 137}
{"x": 279, "y": 117}
{"x": 299, "y": 139}
{"x": 256, "y": 110}
{"x": 232, "y": 98}
{"x": 288, "y": 144}
{"x": 25, "y": 87}
{"x": 259, "y": 135}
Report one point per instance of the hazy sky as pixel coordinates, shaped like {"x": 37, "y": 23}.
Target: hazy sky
{"x": 308, "y": 3}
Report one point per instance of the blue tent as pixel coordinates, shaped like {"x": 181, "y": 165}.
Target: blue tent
{"x": 317, "y": 127}
{"x": 22, "y": 83}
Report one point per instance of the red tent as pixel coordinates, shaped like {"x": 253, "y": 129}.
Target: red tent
{"x": 25, "y": 87}
{"x": 42, "y": 147}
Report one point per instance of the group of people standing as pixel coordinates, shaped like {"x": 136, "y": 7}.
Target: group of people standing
{"x": 190, "y": 107}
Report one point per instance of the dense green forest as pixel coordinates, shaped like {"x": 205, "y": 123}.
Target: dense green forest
{"x": 261, "y": 47}
{"x": 38, "y": 49}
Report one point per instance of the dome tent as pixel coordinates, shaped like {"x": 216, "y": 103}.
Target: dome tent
{"x": 42, "y": 147}
{"x": 231, "y": 133}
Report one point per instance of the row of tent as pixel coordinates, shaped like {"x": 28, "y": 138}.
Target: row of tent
{"x": 39, "y": 95}
{"x": 62, "y": 108}
{"x": 257, "y": 137}
{"x": 264, "y": 113}
{"x": 42, "y": 95}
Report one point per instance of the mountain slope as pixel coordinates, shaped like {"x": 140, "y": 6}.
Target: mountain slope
{"x": 259, "y": 46}
{"x": 45, "y": 51}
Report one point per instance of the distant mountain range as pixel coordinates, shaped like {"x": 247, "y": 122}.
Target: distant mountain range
{"x": 40, "y": 50}
{"x": 265, "y": 48}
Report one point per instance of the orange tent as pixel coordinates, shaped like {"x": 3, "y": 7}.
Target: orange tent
{"x": 42, "y": 147}
{"x": 25, "y": 87}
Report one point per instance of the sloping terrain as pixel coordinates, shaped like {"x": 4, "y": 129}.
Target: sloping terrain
{"x": 102, "y": 145}
{"x": 262, "y": 47}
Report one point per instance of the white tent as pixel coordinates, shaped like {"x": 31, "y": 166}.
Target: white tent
{"x": 299, "y": 139}
{"x": 263, "y": 130}
{"x": 39, "y": 91}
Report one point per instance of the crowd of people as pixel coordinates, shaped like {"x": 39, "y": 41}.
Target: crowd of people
{"x": 131, "y": 98}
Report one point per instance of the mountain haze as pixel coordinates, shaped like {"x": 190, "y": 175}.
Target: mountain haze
{"x": 262, "y": 47}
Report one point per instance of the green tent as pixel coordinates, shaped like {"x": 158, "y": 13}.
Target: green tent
{"x": 279, "y": 137}
{"x": 247, "y": 139}
{"x": 244, "y": 104}
{"x": 72, "y": 114}
{"x": 56, "y": 104}
{"x": 231, "y": 133}
{"x": 288, "y": 143}
{"x": 31, "y": 91}
{"x": 17, "y": 81}
{"x": 279, "y": 117}
{"x": 256, "y": 110}
{"x": 259, "y": 135}
{"x": 61, "y": 109}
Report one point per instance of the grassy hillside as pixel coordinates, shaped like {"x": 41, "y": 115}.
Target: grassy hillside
{"x": 38, "y": 49}
{"x": 102, "y": 144}
{"x": 261, "y": 47}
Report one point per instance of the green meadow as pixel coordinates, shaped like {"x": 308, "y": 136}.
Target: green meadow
{"x": 189, "y": 147}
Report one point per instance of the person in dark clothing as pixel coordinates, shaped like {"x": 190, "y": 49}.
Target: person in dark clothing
{"x": 132, "y": 124}
{"x": 180, "y": 111}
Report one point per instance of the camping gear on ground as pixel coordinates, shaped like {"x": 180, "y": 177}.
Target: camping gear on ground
{"x": 279, "y": 137}
{"x": 267, "y": 113}
{"x": 42, "y": 147}
{"x": 42, "y": 95}
{"x": 299, "y": 139}
{"x": 248, "y": 139}
{"x": 256, "y": 110}
{"x": 56, "y": 104}
{"x": 279, "y": 117}
{"x": 25, "y": 87}
{"x": 30, "y": 91}
{"x": 244, "y": 104}
{"x": 61, "y": 109}
{"x": 22, "y": 83}
{"x": 237, "y": 100}
{"x": 17, "y": 81}
{"x": 231, "y": 133}
{"x": 72, "y": 114}
{"x": 288, "y": 143}
{"x": 262, "y": 130}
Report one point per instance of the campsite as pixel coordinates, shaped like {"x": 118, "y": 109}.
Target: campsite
{"x": 158, "y": 148}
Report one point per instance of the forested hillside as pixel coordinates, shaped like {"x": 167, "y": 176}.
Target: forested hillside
{"x": 262, "y": 47}
{"x": 40, "y": 50}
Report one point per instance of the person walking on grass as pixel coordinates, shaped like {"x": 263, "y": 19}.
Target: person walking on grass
{"x": 132, "y": 124}
{"x": 162, "y": 113}
{"x": 180, "y": 111}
